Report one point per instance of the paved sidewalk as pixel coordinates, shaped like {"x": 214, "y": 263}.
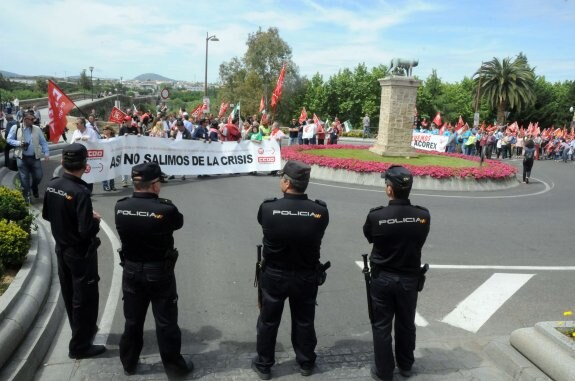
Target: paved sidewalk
{"x": 454, "y": 359}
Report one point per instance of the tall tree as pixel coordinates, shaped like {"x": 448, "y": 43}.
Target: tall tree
{"x": 84, "y": 81}
{"x": 506, "y": 84}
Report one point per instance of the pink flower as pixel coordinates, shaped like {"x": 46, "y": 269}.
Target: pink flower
{"x": 491, "y": 169}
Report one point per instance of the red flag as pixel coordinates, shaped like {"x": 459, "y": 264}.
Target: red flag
{"x": 442, "y": 130}
{"x": 302, "y": 115}
{"x": 117, "y": 115}
{"x": 59, "y": 105}
{"x": 277, "y": 93}
{"x": 262, "y": 104}
{"x": 460, "y": 122}
{"x": 315, "y": 119}
{"x": 223, "y": 107}
{"x": 437, "y": 120}
{"x": 196, "y": 112}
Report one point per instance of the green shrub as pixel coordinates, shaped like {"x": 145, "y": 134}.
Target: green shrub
{"x": 14, "y": 244}
{"x": 13, "y": 208}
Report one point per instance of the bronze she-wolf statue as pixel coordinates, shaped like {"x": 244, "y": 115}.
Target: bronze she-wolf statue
{"x": 401, "y": 66}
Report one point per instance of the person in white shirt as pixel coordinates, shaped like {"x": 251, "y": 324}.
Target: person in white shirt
{"x": 83, "y": 133}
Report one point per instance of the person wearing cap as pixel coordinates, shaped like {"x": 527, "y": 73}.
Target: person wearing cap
{"x": 293, "y": 228}
{"x": 75, "y": 225}
{"x": 30, "y": 146}
{"x": 397, "y": 232}
{"x": 146, "y": 223}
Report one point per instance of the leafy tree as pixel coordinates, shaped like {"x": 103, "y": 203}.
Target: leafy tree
{"x": 42, "y": 85}
{"x": 506, "y": 84}
{"x": 84, "y": 81}
{"x": 255, "y": 75}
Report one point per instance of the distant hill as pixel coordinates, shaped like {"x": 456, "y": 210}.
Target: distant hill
{"x": 7, "y": 74}
{"x": 151, "y": 77}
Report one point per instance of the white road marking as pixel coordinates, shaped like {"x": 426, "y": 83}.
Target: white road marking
{"x": 482, "y": 303}
{"x": 495, "y": 267}
{"x": 547, "y": 188}
{"x": 115, "y": 289}
{"x": 419, "y": 320}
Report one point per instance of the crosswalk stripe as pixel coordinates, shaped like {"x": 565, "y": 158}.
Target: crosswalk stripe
{"x": 419, "y": 320}
{"x": 482, "y": 303}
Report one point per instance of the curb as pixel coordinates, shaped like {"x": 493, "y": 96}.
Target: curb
{"x": 30, "y": 354}
{"x": 419, "y": 183}
{"x": 545, "y": 347}
{"x": 509, "y": 360}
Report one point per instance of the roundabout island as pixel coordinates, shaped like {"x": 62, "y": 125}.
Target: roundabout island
{"x": 355, "y": 164}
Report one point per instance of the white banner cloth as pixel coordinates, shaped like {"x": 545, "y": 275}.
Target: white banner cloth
{"x": 110, "y": 158}
{"x": 428, "y": 142}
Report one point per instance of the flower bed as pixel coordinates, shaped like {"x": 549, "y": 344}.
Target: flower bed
{"x": 491, "y": 169}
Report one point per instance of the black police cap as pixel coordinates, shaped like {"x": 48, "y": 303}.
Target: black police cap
{"x": 399, "y": 176}
{"x": 146, "y": 171}
{"x": 74, "y": 153}
{"x": 296, "y": 170}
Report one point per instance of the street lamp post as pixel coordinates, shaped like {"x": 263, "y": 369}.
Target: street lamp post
{"x": 91, "y": 81}
{"x": 208, "y": 39}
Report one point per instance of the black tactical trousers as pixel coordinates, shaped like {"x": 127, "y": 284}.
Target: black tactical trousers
{"x": 142, "y": 283}
{"x": 301, "y": 289}
{"x": 393, "y": 296}
{"x": 78, "y": 273}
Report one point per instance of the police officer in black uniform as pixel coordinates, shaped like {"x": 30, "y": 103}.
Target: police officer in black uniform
{"x": 68, "y": 207}
{"x": 145, "y": 224}
{"x": 398, "y": 233}
{"x": 293, "y": 227}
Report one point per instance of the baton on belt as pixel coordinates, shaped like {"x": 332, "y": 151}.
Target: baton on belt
{"x": 259, "y": 266}
{"x": 367, "y": 276}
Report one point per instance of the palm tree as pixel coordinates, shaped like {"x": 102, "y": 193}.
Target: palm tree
{"x": 505, "y": 84}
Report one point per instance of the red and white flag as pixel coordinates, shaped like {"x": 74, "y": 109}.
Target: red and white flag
{"x": 302, "y": 115}
{"x": 460, "y": 122}
{"x": 262, "y": 105}
{"x": 277, "y": 93}
{"x": 437, "y": 120}
{"x": 59, "y": 105}
{"x": 117, "y": 115}
{"x": 223, "y": 108}
{"x": 315, "y": 119}
{"x": 196, "y": 112}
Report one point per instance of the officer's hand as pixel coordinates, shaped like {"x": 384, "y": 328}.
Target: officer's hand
{"x": 84, "y": 138}
{"x": 96, "y": 215}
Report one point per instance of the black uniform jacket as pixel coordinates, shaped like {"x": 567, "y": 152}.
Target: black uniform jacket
{"x": 68, "y": 207}
{"x": 293, "y": 227}
{"x": 398, "y": 233}
{"x": 145, "y": 224}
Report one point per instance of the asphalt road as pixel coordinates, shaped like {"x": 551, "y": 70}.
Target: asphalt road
{"x": 525, "y": 231}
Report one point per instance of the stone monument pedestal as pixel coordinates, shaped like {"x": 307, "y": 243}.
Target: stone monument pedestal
{"x": 398, "y": 96}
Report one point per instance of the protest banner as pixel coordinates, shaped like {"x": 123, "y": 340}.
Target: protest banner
{"x": 429, "y": 142}
{"x": 110, "y": 158}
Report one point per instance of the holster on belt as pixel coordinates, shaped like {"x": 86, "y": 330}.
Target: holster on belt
{"x": 171, "y": 257}
{"x": 321, "y": 270}
{"x": 93, "y": 246}
{"x": 421, "y": 281}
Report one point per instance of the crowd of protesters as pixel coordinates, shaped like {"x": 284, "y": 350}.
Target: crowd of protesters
{"x": 504, "y": 142}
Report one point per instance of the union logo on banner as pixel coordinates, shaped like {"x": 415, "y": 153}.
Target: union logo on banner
{"x": 117, "y": 115}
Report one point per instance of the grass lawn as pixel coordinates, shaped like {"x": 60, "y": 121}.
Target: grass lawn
{"x": 421, "y": 160}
